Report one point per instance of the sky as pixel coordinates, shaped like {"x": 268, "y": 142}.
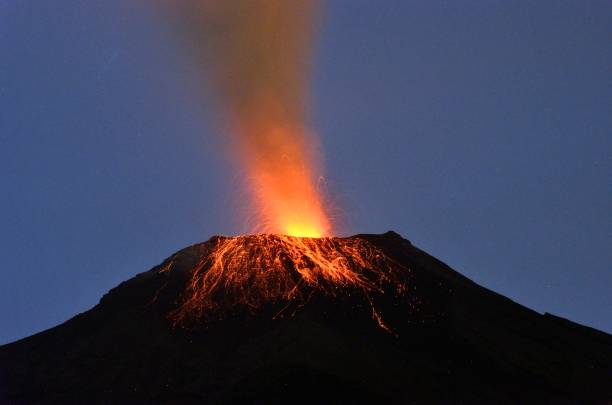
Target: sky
{"x": 478, "y": 130}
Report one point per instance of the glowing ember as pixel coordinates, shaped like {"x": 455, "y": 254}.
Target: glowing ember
{"x": 248, "y": 272}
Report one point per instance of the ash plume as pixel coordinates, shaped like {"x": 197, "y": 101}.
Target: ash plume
{"x": 255, "y": 55}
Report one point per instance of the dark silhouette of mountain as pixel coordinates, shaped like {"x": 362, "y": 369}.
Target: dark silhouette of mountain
{"x": 411, "y": 330}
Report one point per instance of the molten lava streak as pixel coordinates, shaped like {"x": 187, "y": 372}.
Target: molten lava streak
{"x": 285, "y": 272}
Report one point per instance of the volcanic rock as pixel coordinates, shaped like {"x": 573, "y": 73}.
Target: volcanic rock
{"x": 274, "y": 319}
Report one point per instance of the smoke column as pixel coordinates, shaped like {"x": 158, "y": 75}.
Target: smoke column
{"x": 255, "y": 54}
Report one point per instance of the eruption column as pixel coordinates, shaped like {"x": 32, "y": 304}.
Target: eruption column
{"x": 256, "y": 54}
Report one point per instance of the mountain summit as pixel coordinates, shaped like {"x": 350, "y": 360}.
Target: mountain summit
{"x": 271, "y": 319}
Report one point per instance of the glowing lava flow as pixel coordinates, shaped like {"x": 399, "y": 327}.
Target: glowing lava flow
{"x": 250, "y": 272}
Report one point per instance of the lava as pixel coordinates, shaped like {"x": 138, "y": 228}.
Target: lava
{"x": 256, "y": 59}
{"x": 249, "y": 272}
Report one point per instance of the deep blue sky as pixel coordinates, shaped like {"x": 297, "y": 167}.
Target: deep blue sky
{"x": 479, "y": 130}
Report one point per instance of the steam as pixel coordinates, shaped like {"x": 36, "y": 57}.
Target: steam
{"x": 256, "y": 55}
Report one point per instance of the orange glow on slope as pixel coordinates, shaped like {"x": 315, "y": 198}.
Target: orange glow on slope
{"x": 250, "y": 272}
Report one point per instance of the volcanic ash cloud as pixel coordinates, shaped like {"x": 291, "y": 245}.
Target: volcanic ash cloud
{"x": 255, "y": 55}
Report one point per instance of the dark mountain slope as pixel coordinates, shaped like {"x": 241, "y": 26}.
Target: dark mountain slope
{"x": 425, "y": 334}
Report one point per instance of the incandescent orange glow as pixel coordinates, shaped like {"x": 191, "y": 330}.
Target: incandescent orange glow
{"x": 282, "y": 184}
{"x": 250, "y": 272}
{"x": 255, "y": 54}
{"x": 263, "y": 84}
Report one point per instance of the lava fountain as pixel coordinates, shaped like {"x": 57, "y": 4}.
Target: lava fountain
{"x": 255, "y": 54}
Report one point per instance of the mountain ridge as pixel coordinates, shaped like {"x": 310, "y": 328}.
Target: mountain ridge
{"x": 448, "y": 339}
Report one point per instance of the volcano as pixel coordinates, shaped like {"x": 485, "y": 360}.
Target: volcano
{"x": 277, "y": 319}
